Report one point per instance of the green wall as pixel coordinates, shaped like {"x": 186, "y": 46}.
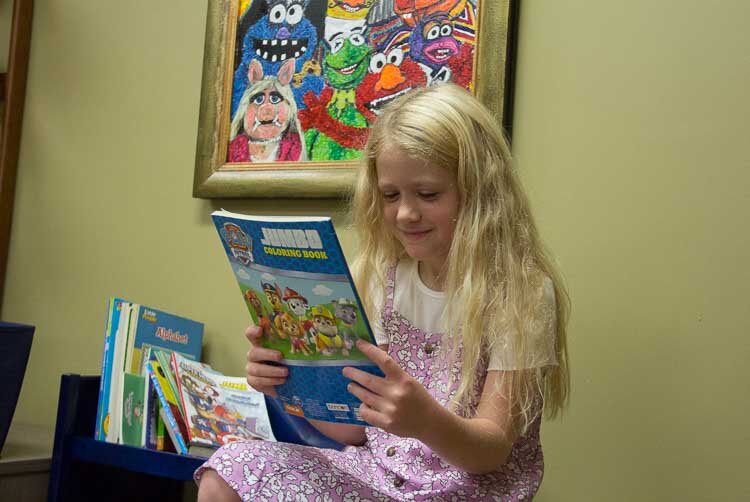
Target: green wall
{"x": 630, "y": 137}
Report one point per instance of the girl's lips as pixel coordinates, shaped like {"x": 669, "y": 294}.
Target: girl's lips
{"x": 414, "y": 235}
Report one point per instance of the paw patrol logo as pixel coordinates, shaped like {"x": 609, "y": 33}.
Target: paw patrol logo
{"x": 239, "y": 243}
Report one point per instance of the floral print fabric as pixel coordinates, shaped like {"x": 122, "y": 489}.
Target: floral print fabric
{"x": 387, "y": 467}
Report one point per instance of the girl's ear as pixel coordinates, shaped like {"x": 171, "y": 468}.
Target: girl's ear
{"x": 254, "y": 71}
{"x": 286, "y": 72}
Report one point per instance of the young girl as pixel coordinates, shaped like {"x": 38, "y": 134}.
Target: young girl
{"x": 469, "y": 315}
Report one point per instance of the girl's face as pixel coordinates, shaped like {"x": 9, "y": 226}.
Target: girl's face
{"x": 420, "y": 205}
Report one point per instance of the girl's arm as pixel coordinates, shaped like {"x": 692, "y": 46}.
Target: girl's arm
{"x": 479, "y": 444}
{"x": 400, "y": 405}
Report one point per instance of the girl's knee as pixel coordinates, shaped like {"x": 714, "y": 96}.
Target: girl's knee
{"x": 212, "y": 488}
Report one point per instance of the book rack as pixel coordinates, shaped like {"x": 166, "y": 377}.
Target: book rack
{"x": 85, "y": 469}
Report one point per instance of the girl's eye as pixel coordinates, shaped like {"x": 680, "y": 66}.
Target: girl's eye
{"x": 428, "y": 195}
{"x": 390, "y": 196}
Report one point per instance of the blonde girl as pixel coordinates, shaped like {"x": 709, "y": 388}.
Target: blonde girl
{"x": 469, "y": 314}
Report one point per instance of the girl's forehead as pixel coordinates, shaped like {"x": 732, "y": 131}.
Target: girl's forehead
{"x": 393, "y": 165}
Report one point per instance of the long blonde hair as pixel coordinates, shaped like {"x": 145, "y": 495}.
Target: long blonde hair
{"x": 496, "y": 265}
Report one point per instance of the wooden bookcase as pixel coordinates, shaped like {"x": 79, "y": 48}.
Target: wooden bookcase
{"x": 11, "y": 110}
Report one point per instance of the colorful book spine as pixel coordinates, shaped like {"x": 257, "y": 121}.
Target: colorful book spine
{"x": 102, "y": 410}
{"x": 166, "y": 410}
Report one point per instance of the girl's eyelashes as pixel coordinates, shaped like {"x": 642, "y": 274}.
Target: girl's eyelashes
{"x": 428, "y": 195}
{"x": 392, "y": 196}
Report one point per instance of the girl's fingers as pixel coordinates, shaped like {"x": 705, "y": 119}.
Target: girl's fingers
{"x": 266, "y": 370}
{"x": 258, "y": 354}
{"x": 371, "y": 399}
{"x": 264, "y": 382}
{"x": 268, "y": 390}
{"x": 372, "y": 416}
{"x": 367, "y": 380}
{"x": 253, "y": 334}
{"x": 380, "y": 358}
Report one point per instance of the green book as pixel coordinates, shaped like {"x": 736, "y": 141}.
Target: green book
{"x": 133, "y": 401}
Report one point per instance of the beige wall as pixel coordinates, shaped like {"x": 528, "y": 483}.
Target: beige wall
{"x": 630, "y": 136}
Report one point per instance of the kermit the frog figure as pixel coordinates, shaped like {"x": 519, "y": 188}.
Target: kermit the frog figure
{"x": 334, "y": 128}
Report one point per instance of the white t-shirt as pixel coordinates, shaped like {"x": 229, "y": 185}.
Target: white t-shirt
{"x": 423, "y": 307}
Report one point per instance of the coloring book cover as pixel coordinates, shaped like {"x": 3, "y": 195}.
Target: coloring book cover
{"x": 296, "y": 285}
{"x": 219, "y": 409}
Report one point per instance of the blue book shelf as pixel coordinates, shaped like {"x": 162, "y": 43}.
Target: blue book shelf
{"x": 86, "y": 469}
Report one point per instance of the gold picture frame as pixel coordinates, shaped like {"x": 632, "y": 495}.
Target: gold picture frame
{"x": 214, "y": 177}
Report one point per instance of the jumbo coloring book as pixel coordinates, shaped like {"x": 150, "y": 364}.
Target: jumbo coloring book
{"x": 297, "y": 286}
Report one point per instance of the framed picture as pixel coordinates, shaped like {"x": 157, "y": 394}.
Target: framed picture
{"x": 291, "y": 87}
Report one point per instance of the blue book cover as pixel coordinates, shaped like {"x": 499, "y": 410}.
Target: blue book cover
{"x": 297, "y": 286}
{"x": 164, "y": 330}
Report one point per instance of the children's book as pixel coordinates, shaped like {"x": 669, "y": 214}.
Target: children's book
{"x": 102, "y": 410}
{"x": 297, "y": 286}
{"x": 168, "y": 409}
{"x": 112, "y": 420}
{"x": 219, "y": 409}
{"x": 164, "y": 330}
{"x": 132, "y": 329}
{"x": 133, "y": 426}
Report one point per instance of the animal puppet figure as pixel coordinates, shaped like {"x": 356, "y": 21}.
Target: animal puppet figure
{"x": 349, "y": 9}
{"x": 441, "y": 56}
{"x": 346, "y": 312}
{"x": 256, "y": 308}
{"x": 391, "y": 74}
{"x": 290, "y": 328}
{"x": 265, "y": 127}
{"x": 327, "y": 339}
{"x": 334, "y": 128}
{"x": 411, "y": 11}
{"x": 283, "y": 33}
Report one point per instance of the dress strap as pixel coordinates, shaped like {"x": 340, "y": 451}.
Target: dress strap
{"x": 390, "y": 287}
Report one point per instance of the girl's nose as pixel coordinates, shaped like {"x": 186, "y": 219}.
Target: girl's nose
{"x": 407, "y": 212}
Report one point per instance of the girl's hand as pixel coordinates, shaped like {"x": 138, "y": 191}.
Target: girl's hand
{"x": 262, "y": 376}
{"x": 397, "y": 403}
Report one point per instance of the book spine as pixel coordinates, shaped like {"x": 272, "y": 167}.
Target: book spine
{"x": 116, "y": 375}
{"x": 179, "y": 395}
{"x": 101, "y": 407}
{"x": 171, "y": 423}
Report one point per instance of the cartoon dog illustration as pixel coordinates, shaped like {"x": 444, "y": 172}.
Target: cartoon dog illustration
{"x": 253, "y": 303}
{"x": 346, "y": 312}
{"x": 327, "y": 339}
{"x": 289, "y": 327}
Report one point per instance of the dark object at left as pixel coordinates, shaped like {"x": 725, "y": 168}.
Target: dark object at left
{"x": 15, "y": 346}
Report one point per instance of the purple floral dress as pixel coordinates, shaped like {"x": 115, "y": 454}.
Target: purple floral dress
{"x": 387, "y": 467}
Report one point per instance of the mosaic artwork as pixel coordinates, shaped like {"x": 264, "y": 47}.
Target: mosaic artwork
{"x": 310, "y": 76}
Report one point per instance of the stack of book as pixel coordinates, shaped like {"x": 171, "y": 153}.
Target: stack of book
{"x": 155, "y": 393}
